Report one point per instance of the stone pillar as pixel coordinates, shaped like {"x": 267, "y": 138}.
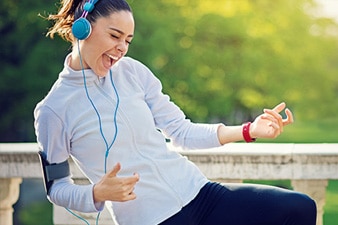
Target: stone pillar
{"x": 316, "y": 189}
{"x": 9, "y": 194}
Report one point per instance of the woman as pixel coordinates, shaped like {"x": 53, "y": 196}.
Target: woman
{"x": 105, "y": 111}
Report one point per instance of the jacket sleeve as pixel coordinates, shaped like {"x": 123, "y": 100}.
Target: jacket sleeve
{"x": 53, "y": 140}
{"x": 170, "y": 119}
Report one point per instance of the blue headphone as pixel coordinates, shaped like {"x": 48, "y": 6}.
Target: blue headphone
{"x": 81, "y": 28}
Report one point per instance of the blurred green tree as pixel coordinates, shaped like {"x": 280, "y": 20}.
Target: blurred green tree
{"x": 226, "y": 60}
{"x": 30, "y": 63}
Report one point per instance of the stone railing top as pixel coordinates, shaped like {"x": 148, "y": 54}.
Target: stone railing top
{"x": 231, "y": 161}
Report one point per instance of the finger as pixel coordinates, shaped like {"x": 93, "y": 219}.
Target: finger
{"x": 268, "y": 117}
{"x": 275, "y": 126}
{"x": 137, "y": 176}
{"x": 132, "y": 180}
{"x": 279, "y": 108}
{"x": 289, "y": 117}
{"x": 115, "y": 170}
{"x": 130, "y": 196}
{"x": 126, "y": 196}
{"x": 277, "y": 116}
{"x": 129, "y": 193}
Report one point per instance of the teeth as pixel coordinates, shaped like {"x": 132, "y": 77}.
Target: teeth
{"x": 112, "y": 57}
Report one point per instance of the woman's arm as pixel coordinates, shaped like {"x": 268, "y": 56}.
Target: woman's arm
{"x": 54, "y": 142}
{"x": 270, "y": 124}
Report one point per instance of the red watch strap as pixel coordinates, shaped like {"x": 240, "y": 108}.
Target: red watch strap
{"x": 246, "y": 134}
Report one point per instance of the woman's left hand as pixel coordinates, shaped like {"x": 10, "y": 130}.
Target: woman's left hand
{"x": 270, "y": 124}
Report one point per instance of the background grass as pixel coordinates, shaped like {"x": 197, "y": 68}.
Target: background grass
{"x": 331, "y": 206}
{"x": 38, "y": 213}
{"x": 323, "y": 131}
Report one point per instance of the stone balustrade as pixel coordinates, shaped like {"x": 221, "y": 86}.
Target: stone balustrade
{"x": 308, "y": 166}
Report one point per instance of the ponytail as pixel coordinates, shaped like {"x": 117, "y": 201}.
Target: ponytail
{"x": 63, "y": 20}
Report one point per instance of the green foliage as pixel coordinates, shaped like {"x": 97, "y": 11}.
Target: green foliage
{"x": 228, "y": 59}
{"x": 39, "y": 213}
{"x": 219, "y": 60}
{"x": 278, "y": 183}
{"x": 331, "y": 206}
{"x": 30, "y": 63}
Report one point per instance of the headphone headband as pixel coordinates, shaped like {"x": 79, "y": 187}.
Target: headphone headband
{"x": 88, "y": 6}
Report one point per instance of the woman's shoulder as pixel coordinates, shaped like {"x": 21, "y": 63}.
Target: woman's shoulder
{"x": 137, "y": 72}
{"x": 133, "y": 63}
{"x": 130, "y": 60}
{"x": 136, "y": 68}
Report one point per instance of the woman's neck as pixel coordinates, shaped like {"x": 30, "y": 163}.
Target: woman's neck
{"x": 76, "y": 61}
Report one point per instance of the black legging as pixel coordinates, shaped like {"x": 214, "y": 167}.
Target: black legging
{"x": 246, "y": 204}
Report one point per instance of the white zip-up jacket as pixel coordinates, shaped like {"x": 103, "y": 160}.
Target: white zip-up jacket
{"x": 67, "y": 125}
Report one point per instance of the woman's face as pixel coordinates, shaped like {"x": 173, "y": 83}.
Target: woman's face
{"x": 108, "y": 42}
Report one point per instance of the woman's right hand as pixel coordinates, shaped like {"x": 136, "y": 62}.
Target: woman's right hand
{"x": 113, "y": 188}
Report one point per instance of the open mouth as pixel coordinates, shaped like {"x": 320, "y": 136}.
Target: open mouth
{"x": 113, "y": 57}
{"x": 110, "y": 60}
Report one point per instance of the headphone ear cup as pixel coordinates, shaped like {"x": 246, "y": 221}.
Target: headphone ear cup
{"x": 81, "y": 28}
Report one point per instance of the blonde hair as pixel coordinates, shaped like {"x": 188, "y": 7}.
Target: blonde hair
{"x": 63, "y": 20}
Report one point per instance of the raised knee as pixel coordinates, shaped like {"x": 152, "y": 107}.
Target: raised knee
{"x": 304, "y": 207}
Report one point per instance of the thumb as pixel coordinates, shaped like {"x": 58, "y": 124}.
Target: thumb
{"x": 115, "y": 170}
